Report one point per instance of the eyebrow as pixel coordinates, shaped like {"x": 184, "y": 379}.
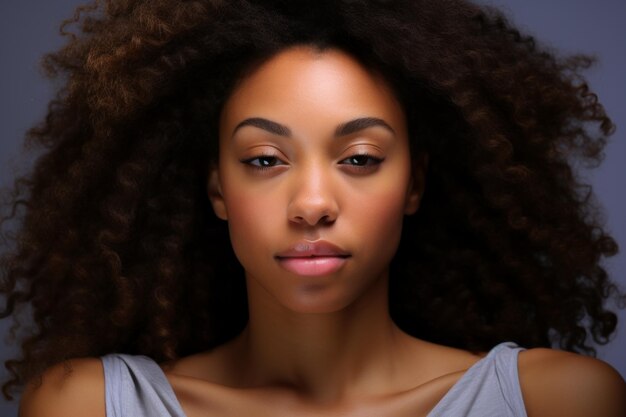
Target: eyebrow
{"x": 343, "y": 129}
{"x": 362, "y": 123}
{"x": 265, "y": 124}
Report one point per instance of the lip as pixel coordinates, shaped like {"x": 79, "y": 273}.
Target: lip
{"x": 313, "y": 258}
{"x": 307, "y": 249}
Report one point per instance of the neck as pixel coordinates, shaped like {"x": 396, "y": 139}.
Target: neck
{"x": 327, "y": 357}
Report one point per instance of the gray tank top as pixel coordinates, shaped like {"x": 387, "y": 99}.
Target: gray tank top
{"x": 135, "y": 386}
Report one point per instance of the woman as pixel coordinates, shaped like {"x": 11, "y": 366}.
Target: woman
{"x": 346, "y": 208}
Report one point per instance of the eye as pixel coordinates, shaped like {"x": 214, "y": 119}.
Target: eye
{"x": 263, "y": 161}
{"x": 362, "y": 161}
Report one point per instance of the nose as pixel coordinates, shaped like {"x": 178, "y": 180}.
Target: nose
{"x": 313, "y": 200}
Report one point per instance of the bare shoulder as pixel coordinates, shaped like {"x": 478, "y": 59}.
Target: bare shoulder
{"x": 68, "y": 389}
{"x": 561, "y": 383}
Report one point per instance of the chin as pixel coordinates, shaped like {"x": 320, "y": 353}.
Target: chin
{"x": 316, "y": 301}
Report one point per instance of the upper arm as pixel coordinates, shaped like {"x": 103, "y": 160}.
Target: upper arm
{"x": 556, "y": 383}
{"x": 73, "y": 388}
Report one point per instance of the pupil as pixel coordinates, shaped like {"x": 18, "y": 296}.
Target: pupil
{"x": 359, "y": 160}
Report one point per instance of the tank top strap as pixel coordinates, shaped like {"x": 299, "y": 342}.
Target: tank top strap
{"x": 135, "y": 386}
{"x": 490, "y": 388}
{"x": 505, "y": 362}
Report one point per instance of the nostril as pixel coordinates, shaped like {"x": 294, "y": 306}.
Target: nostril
{"x": 312, "y": 211}
{"x": 314, "y": 220}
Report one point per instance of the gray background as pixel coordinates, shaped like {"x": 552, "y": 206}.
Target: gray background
{"x": 29, "y": 28}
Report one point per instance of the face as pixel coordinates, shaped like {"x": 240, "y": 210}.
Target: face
{"x": 314, "y": 178}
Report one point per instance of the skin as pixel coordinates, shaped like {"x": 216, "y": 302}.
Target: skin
{"x": 324, "y": 345}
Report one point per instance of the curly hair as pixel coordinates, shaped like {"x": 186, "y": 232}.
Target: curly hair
{"x": 118, "y": 249}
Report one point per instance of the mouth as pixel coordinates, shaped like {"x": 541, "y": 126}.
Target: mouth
{"x": 313, "y": 258}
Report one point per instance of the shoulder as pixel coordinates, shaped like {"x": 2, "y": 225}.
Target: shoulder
{"x": 561, "y": 383}
{"x": 71, "y": 388}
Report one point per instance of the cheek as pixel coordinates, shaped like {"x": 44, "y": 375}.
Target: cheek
{"x": 252, "y": 221}
{"x": 381, "y": 218}
{"x": 382, "y": 207}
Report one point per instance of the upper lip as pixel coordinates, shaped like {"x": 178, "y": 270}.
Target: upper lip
{"x": 308, "y": 249}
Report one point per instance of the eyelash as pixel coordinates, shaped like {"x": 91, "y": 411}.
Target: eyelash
{"x": 249, "y": 162}
{"x": 371, "y": 162}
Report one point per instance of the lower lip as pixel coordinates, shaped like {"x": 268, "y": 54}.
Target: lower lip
{"x": 313, "y": 266}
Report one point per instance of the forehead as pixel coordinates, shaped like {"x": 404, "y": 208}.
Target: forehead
{"x": 302, "y": 81}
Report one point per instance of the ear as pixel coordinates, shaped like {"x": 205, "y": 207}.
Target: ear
{"x": 417, "y": 184}
{"x": 214, "y": 189}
